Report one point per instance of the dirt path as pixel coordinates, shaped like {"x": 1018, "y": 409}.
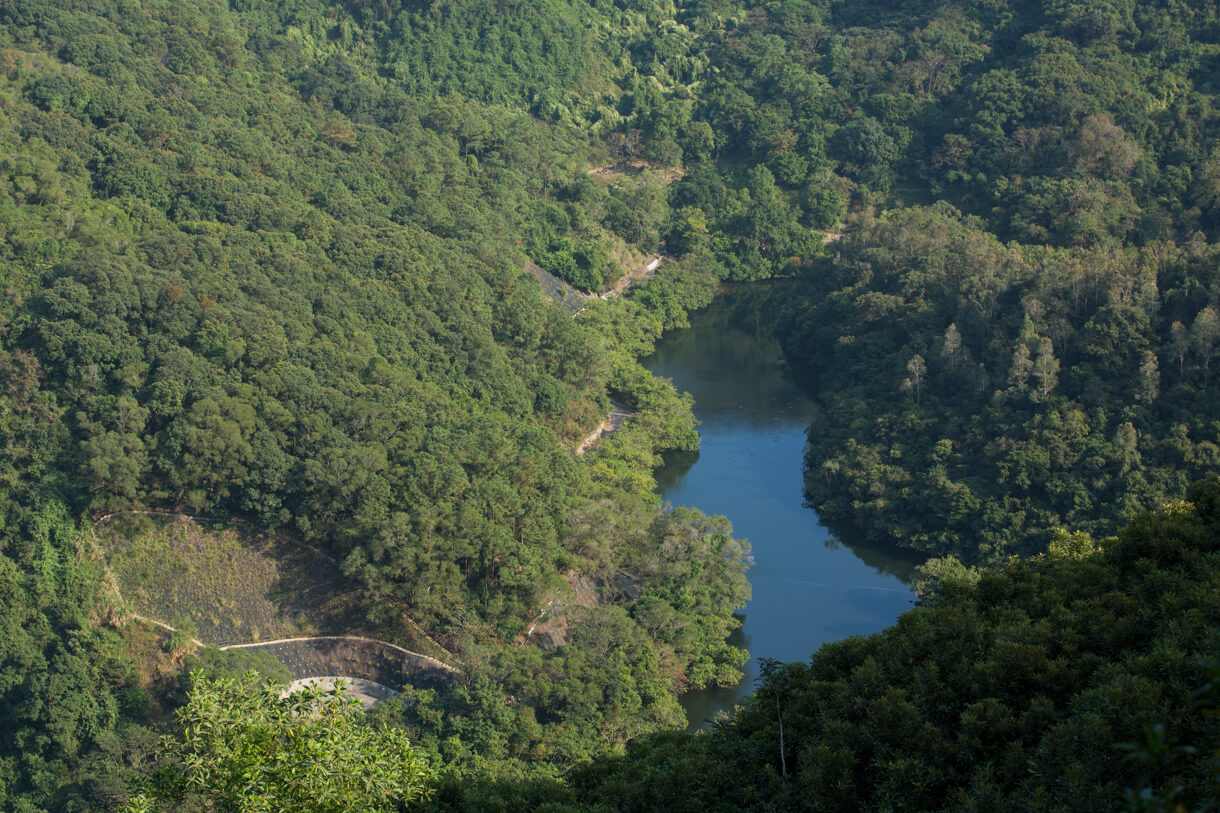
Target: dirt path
{"x": 613, "y": 422}
{"x": 444, "y": 667}
{"x": 632, "y": 168}
{"x": 164, "y": 626}
{"x": 425, "y": 658}
{"x": 113, "y": 583}
{"x": 524, "y": 639}
{"x": 621, "y": 168}
{"x": 636, "y": 276}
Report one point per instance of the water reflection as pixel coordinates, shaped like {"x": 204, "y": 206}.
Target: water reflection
{"x": 809, "y": 588}
{"x": 677, "y": 464}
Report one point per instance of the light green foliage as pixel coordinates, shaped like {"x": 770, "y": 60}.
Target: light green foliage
{"x": 582, "y": 267}
{"x": 612, "y": 681}
{"x": 266, "y": 261}
{"x": 269, "y": 304}
{"x": 937, "y": 571}
{"x": 693, "y": 574}
{"x": 244, "y": 747}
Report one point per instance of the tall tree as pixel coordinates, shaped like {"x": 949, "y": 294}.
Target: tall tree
{"x": 1045, "y": 370}
{"x": 1020, "y": 368}
{"x": 952, "y": 346}
{"x": 1204, "y": 336}
{"x": 1149, "y": 382}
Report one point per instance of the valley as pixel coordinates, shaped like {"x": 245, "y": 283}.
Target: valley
{"x": 490, "y": 352}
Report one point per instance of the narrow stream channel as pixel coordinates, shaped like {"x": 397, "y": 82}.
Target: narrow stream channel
{"x": 809, "y": 588}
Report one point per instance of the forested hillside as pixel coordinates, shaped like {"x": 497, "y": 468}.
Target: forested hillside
{"x": 1081, "y": 679}
{"x": 1016, "y": 333}
{"x": 244, "y": 303}
{"x": 1039, "y": 351}
{"x": 1024, "y": 388}
{"x": 264, "y": 264}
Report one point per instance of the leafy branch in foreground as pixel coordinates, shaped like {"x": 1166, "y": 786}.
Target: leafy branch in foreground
{"x": 246, "y": 747}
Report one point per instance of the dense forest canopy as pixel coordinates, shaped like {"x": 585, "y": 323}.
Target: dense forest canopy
{"x": 1080, "y": 679}
{"x": 1037, "y": 343}
{"x": 250, "y": 274}
{"x": 264, "y": 262}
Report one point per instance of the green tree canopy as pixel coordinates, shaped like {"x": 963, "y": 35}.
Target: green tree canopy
{"x": 249, "y": 747}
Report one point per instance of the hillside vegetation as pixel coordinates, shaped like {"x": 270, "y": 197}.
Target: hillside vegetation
{"x": 1033, "y": 351}
{"x": 265, "y": 262}
{"x": 249, "y": 272}
{"x": 1069, "y": 681}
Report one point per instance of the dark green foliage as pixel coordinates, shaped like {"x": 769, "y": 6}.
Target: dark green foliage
{"x": 70, "y": 702}
{"x": 1030, "y": 684}
{"x": 265, "y": 259}
{"x": 241, "y": 304}
{"x": 976, "y": 397}
{"x": 1071, "y": 397}
{"x": 583, "y": 267}
{"x": 611, "y": 682}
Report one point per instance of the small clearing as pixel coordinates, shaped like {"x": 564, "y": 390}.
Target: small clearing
{"x": 627, "y": 168}
{"x": 236, "y": 586}
{"x": 632, "y": 168}
{"x": 552, "y": 628}
{"x": 557, "y": 290}
{"x": 561, "y": 292}
{"x": 236, "y": 589}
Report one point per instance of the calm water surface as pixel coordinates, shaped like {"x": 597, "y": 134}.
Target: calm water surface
{"x": 809, "y": 588}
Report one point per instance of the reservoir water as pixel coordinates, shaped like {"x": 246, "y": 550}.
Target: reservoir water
{"x": 808, "y": 587}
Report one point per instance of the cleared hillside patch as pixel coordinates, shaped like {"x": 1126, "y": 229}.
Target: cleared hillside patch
{"x": 232, "y": 585}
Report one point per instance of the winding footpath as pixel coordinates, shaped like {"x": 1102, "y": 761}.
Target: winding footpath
{"x": 613, "y": 422}
{"x": 636, "y": 276}
{"x": 430, "y": 661}
{"x": 377, "y": 690}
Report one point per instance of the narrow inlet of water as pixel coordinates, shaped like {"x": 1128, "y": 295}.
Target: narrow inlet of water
{"x": 808, "y": 587}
